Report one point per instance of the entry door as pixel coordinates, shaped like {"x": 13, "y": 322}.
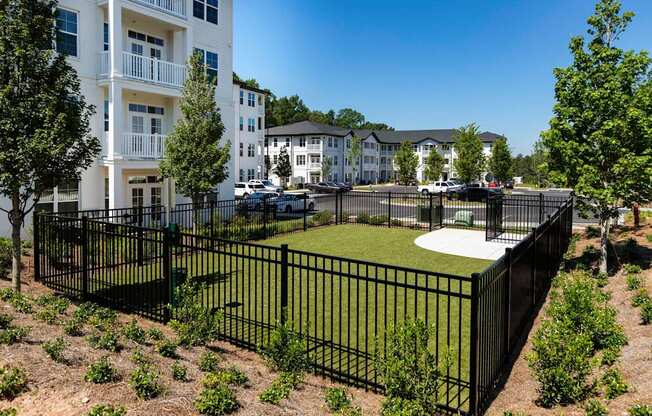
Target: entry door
{"x": 137, "y": 67}
{"x": 137, "y": 196}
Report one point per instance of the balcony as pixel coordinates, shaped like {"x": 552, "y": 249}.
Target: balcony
{"x": 143, "y": 146}
{"x": 174, "y": 7}
{"x": 146, "y": 69}
{"x": 314, "y": 165}
{"x": 313, "y": 147}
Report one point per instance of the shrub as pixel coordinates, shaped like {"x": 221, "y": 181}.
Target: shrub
{"x": 101, "y": 371}
{"x": 8, "y": 412}
{"x": 362, "y": 218}
{"x": 85, "y": 311}
{"x": 208, "y": 361}
{"x": 144, "y": 381}
{"x": 13, "y": 381}
{"x": 640, "y": 297}
{"x": 602, "y": 279}
{"x": 281, "y": 387}
{"x": 640, "y": 410}
{"x": 5, "y": 321}
{"x": 73, "y": 327}
{"x": 6, "y": 293}
{"x": 179, "y": 371}
{"x": 610, "y": 356}
{"x": 167, "y": 348}
{"x": 155, "y": 334}
{"x": 350, "y": 411}
{"x": 54, "y": 349}
{"x": 646, "y": 313}
{"x": 614, "y": 384}
{"x": 632, "y": 268}
{"x": 560, "y": 361}
{"x": 322, "y": 217}
{"x": 194, "y": 324}
{"x": 216, "y": 401}
{"x": 107, "y": 410}
{"x": 594, "y": 407}
{"x": 20, "y": 302}
{"x": 58, "y": 304}
{"x": 592, "y": 232}
{"x": 138, "y": 357}
{"x": 336, "y": 399}
{"x": 132, "y": 331}
{"x": 399, "y": 406}
{"x": 378, "y": 219}
{"x": 13, "y": 334}
{"x": 109, "y": 340}
{"x": 230, "y": 376}
{"x": 5, "y": 256}
{"x": 396, "y": 223}
{"x": 48, "y": 315}
{"x": 103, "y": 318}
{"x": 285, "y": 350}
{"x": 407, "y": 368}
{"x": 633, "y": 281}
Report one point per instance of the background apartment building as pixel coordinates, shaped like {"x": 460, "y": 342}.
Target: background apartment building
{"x": 307, "y": 143}
{"x": 249, "y": 106}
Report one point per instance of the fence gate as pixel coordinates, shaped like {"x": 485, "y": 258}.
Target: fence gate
{"x": 494, "y": 220}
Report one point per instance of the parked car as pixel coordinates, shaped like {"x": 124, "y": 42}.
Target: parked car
{"x": 474, "y": 194}
{"x": 437, "y": 187}
{"x": 322, "y": 187}
{"x": 293, "y": 203}
{"x": 267, "y": 184}
{"x": 255, "y": 201}
{"x": 345, "y": 186}
{"x": 244, "y": 189}
{"x": 340, "y": 187}
{"x": 509, "y": 184}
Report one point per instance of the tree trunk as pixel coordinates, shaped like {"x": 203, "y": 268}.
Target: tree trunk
{"x": 605, "y": 224}
{"x": 16, "y": 223}
{"x": 637, "y": 215}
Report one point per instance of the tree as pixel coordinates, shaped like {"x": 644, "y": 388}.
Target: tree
{"x": 349, "y": 118}
{"x": 193, "y": 155}
{"x": 500, "y": 162}
{"x": 44, "y": 133}
{"x": 267, "y": 166}
{"x": 283, "y": 166}
{"x": 368, "y": 125}
{"x": 323, "y": 118}
{"x": 600, "y": 137}
{"x": 470, "y": 160}
{"x": 539, "y": 161}
{"x": 326, "y": 167}
{"x": 353, "y": 155}
{"x": 407, "y": 162}
{"x": 434, "y": 165}
{"x": 286, "y": 110}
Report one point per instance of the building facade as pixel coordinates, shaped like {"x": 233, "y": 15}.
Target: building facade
{"x": 308, "y": 143}
{"x": 249, "y": 106}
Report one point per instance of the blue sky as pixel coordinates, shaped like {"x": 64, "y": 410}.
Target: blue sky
{"x": 421, "y": 64}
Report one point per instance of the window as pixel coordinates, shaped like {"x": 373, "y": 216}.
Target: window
{"x": 335, "y": 143}
{"x": 137, "y": 198}
{"x": 156, "y": 126}
{"x": 275, "y": 142}
{"x": 106, "y": 115}
{"x": 260, "y": 123}
{"x": 287, "y": 142}
{"x": 445, "y": 147}
{"x": 330, "y": 142}
{"x": 251, "y": 150}
{"x": 251, "y": 174}
{"x": 210, "y": 59}
{"x": 106, "y": 36}
{"x": 348, "y": 143}
{"x": 67, "y": 38}
{"x": 251, "y": 99}
{"x": 334, "y": 160}
{"x": 205, "y": 10}
{"x": 241, "y": 175}
{"x": 302, "y": 142}
{"x": 241, "y": 149}
{"x": 260, "y": 99}
{"x": 275, "y": 159}
{"x": 241, "y": 124}
{"x": 251, "y": 125}
{"x": 301, "y": 160}
{"x": 143, "y": 37}
{"x": 241, "y": 97}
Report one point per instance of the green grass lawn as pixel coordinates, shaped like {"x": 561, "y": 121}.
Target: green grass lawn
{"x": 393, "y": 246}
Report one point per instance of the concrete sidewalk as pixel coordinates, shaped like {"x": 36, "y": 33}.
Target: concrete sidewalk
{"x": 459, "y": 242}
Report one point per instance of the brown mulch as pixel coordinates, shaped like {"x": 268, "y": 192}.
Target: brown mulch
{"x": 519, "y": 394}
{"x": 60, "y": 389}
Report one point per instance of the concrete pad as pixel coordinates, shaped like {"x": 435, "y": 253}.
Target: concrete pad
{"x": 460, "y": 242}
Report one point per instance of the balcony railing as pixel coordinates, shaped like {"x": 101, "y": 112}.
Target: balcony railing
{"x": 140, "y": 145}
{"x": 314, "y": 165}
{"x": 313, "y": 147}
{"x": 146, "y": 69}
{"x": 174, "y": 7}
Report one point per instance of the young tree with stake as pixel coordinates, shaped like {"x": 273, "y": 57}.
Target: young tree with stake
{"x": 470, "y": 160}
{"x": 600, "y": 137}
{"x": 407, "y": 162}
{"x": 326, "y": 167}
{"x": 193, "y": 155}
{"x": 434, "y": 165}
{"x": 44, "y": 133}
{"x": 353, "y": 155}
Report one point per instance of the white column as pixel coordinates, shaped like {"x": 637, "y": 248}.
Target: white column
{"x": 114, "y": 135}
{"x": 189, "y": 42}
{"x": 115, "y": 38}
{"x": 116, "y": 188}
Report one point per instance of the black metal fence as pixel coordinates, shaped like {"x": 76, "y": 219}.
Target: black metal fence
{"x": 342, "y": 306}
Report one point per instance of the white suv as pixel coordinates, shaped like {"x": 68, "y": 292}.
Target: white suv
{"x": 267, "y": 184}
{"x": 435, "y": 187}
{"x": 244, "y": 189}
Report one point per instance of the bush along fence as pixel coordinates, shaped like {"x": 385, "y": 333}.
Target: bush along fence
{"x": 342, "y": 307}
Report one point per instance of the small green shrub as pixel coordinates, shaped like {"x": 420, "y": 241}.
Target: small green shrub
{"x": 602, "y": 279}
{"x": 179, "y": 371}
{"x": 217, "y": 401}
{"x": 58, "y": 304}
{"x": 640, "y": 297}
{"x": 85, "y": 311}
{"x": 138, "y": 357}
{"x": 396, "y": 223}
{"x": 9, "y": 412}
{"x": 592, "y": 232}
{"x": 101, "y": 372}
{"x": 514, "y": 413}
{"x": 109, "y": 340}
{"x": 322, "y": 217}
{"x": 13, "y": 334}
{"x": 73, "y": 327}
{"x": 594, "y": 407}
{"x": 640, "y": 410}
{"x": 54, "y": 348}
{"x": 132, "y": 331}
{"x": 6, "y": 294}
{"x": 378, "y": 219}
{"x": 632, "y": 268}
{"x": 285, "y": 350}
{"x": 144, "y": 381}
{"x": 6, "y": 256}
{"x": 362, "y": 218}
{"x": 21, "y": 303}
{"x": 281, "y": 388}
{"x": 646, "y": 312}
{"x": 230, "y": 376}
{"x": 107, "y": 410}
{"x": 5, "y": 320}
{"x": 614, "y": 384}
{"x": 336, "y": 399}
{"x": 634, "y": 281}
{"x": 350, "y": 411}
{"x": 155, "y": 334}
{"x": 208, "y": 361}
{"x": 399, "y": 406}
{"x": 194, "y": 324}
{"x": 13, "y": 381}
{"x": 48, "y": 315}
{"x": 610, "y": 356}
{"x": 167, "y": 348}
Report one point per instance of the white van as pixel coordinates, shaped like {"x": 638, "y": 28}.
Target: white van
{"x": 244, "y": 189}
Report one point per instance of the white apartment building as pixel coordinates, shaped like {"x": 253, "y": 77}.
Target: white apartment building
{"x": 307, "y": 143}
{"x": 249, "y": 106}
{"x": 130, "y": 56}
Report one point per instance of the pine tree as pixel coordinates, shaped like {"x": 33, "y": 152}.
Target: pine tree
{"x": 283, "y": 166}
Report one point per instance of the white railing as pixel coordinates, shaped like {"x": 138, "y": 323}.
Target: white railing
{"x": 105, "y": 68}
{"x": 174, "y": 7}
{"x": 314, "y": 165}
{"x": 153, "y": 70}
{"x": 313, "y": 147}
{"x": 140, "y": 145}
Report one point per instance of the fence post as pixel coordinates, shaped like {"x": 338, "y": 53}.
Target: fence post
{"x": 389, "y": 209}
{"x": 540, "y": 207}
{"x": 167, "y": 272}
{"x": 84, "y": 248}
{"x": 429, "y": 211}
{"x": 140, "y": 240}
{"x": 508, "y": 298}
{"x": 264, "y": 218}
{"x": 534, "y": 266}
{"x": 441, "y": 209}
{"x": 212, "y": 213}
{"x": 305, "y": 212}
{"x": 284, "y": 283}
{"x": 37, "y": 247}
{"x": 474, "y": 348}
{"x": 548, "y": 249}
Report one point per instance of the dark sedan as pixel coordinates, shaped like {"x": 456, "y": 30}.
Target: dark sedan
{"x": 473, "y": 194}
{"x": 322, "y": 187}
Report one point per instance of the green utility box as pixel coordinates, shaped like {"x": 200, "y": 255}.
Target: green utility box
{"x": 464, "y": 218}
{"x": 425, "y": 214}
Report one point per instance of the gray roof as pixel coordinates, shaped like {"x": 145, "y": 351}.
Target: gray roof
{"x": 384, "y": 136}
